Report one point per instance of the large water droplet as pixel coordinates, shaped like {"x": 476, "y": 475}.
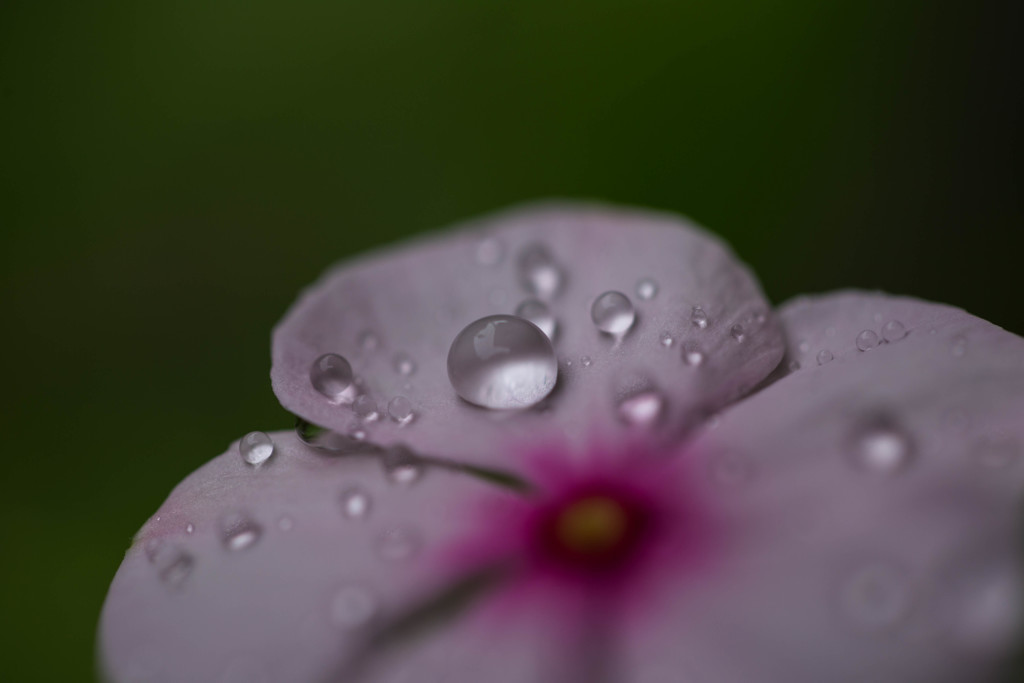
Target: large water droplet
{"x": 355, "y": 502}
{"x": 398, "y": 543}
{"x": 880, "y": 447}
{"x": 893, "y": 331}
{"x": 538, "y": 313}
{"x": 400, "y": 410}
{"x": 539, "y": 273}
{"x": 502, "y": 361}
{"x": 331, "y": 375}
{"x": 239, "y": 531}
{"x": 366, "y": 409}
{"x": 825, "y": 356}
{"x": 353, "y": 606}
{"x": 256, "y": 448}
{"x": 613, "y": 313}
{"x": 404, "y": 364}
{"x": 875, "y": 596}
{"x": 647, "y": 288}
{"x": 698, "y": 317}
{"x": 867, "y": 340}
{"x": 402, "y": 466}
{"x": 642, "y": 409}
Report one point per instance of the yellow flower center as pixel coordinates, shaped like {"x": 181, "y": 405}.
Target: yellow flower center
{"x": 592, "y": 525}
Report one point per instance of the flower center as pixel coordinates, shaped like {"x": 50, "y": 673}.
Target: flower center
{"x": 592, "y": 526}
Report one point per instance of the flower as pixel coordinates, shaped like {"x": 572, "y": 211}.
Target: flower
{"x": 574, "y": 443}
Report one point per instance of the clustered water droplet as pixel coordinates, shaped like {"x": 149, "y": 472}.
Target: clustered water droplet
{"x": 502, "y": 362}
{"x": 256, "y": 448}
{"x": 613, "y": 313}
{"x": 239, "y": 531}
{"x": 647, "y": 289}
{"x": 699, "y": 318}
{"x": 538, "y": 313}
{"x": 867, "y": 340}
{"x": 331, "y": 375}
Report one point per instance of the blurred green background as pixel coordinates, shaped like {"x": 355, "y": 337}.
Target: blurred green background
{"x": 174, "y": 172}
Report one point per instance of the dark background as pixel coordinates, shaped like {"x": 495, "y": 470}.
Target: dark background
{"x": 173, "y": 173}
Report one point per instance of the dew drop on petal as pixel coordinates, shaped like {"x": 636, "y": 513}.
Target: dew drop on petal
{"x": 256, "y": 448}
{"x": 804, "y": 346}
{"x": 173, "y": 565}
{"x": 875, "y": 596}
{"x": 239, "y": 531}
{"x": 331, "y": 375}
{"x": 404, "y": 364}
{"x": 398, "y": 543}
{"x": 538, "y": 271}
{"x": 402, "y": 466}
{"x": 366, "y": 409}
{"x": 353, "y": 606}
{"x": 355, "y": 502}
{"x": 368, "y": 340}
{"x": 190, "y": 528}
{"x": 881, "y": 448}
{"x": 698, "y": 317}
{"x": 613, "y": 313}
{"x": 794, "y": 365}
{"x": 489, "y": 252}
{"x": 997, "y": 452}
{"x": 825, "y": 356}
{"x": 737, "y": 332}
{"x": 586, "y": 362}
{"x": 502, "y": 361}
{"x": 666, "y": 340}
{"x": 959, "y": 347}
{"x": 538, "y": 313}
{"x": 692, "y": 355}
{"x": 867, "y": 340}
{"x": 400, "y": 410}
{"x": 893, "y": 331}
{"x": 642, "y": 409}
{"x": 647, "y": 288}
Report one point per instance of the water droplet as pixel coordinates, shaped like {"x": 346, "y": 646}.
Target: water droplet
{"x": 365, "y": 408}
{"x": 825, "y": 356}
{"x": 400, "y": 410}
{"x": 804, "y": 346}
{"x": 692, "y": 355}
{"x": 959, "y": 347}
{"x": 881, "y": 448}
{"x": 368, "y": 340}
{"x": 586, "y": 362}
{"x": 997, "y": 452}
{"x": 538, "y": 313}
{"x": 256, "y": 448}
{"x": 613, "y": 313}
{"x": 666, "y": 340}
{"x": 285, "y": 523}
{"x": 402, "y": 466}
{"x": 358, "y": 434}
{"x": 698, "y": 317}
{"x": 794, "y": 365}
{"x": 331, "y": 375}
{"x": 355, "y": 502}
{"x": 353, "y": 606}
{"x": 737, "y": 332}
{"x": 239, "y": 531}
{"x": 647, "y": 288}
{"x": 539, "y": 273}
{"x": 502, "y": 362}
{"x": 173, "y": 565}
{"x": 190, "y": 528}
{"x": 642, "y": 409}
{"x": 322, "y": 438}
{"x": 893, "y": 331}
{"x": 875, "y": 596}
{"x": 489, "y": 252}
{"x": 398, "y": 543}
{"x": 867, "y": 340}
{"x": 404, "y": 364}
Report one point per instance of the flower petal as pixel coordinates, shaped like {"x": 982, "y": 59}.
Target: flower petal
{"x": 394, "y": 316}
{"x": 275, "y": 573}
{"x": 877, "y": 496}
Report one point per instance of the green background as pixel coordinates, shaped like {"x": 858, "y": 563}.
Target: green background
{"x": 173, "y": 173}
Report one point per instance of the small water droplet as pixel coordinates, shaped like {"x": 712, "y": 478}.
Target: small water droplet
{"x": 538, "y": 313}
{"x": 404, "y": 364}
{"x": 502, "y": 362}
{"x": 698, "y": 317}
{"x": 398, "y": 543}
{"x": 368, "y": 340}
{"x": 239, "y": 531}
{"x": 997, "y": 452}
{"x": 489, "y": 252}
{"x": 959, "y": 347}
{"x": 358, "y": 434}
{"x": 867, "y": 340}
{"x": 365, "y": 408}
{"x": 539, "y": 273}
{"x": 794, "y": 365}
{"x": 880, "y": 447}
{"x": 825, "y": 356}
{"x": 613, "y": 313}
{"x": 692, "y": 355}
{"x": 804, "y": 346}
{"x": 190, "y": 528}
{"x": 402, "y": 466}
{"x": 586, "y": 362}
{"x": 737, "y": 332}
{"x": 331, "y": 375}
{"x": 875, "y": 596}
{"x": 256, "y": 448}
{"x": 173, "y": 565}
{"x": 642, "y": 409}
{"x": 353, "y": 606}
{"x": 893, "y": 331}
{"x": 400, "y": 410}
{"x": 647, "y": 288}
{"x": 666, "y": 340}
{"x": 355, "y": 502}
{"x": 285, "y": 523}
